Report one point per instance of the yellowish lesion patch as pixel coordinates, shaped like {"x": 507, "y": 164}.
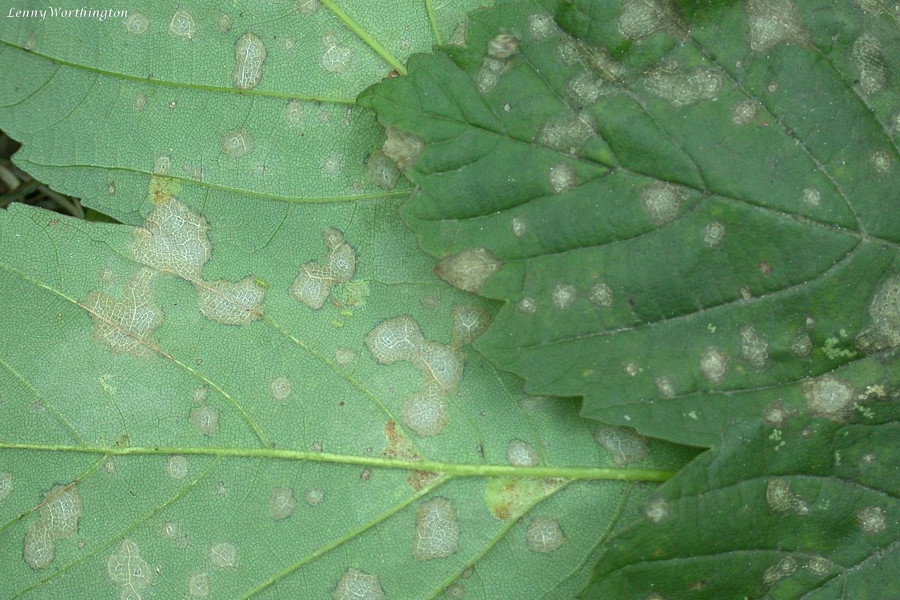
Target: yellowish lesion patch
{"x": 162, "y": 189}
{"x": 511, "y": 497}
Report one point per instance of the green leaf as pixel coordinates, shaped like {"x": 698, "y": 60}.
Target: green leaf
{"x": 687, "y": 208}
{"x": 199, "y": 402}
{"x": 807, "y": 511}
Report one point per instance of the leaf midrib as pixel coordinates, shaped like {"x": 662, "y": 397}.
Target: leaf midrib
{"x": 454, "y": 470}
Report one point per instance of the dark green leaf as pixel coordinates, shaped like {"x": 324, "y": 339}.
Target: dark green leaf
{"x": 693, "y": 204}
{"x": 806, "y": 511}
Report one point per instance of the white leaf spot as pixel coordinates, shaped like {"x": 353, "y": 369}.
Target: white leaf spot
{"x": 224, "y": 555}
{"x": 282, "y": 503}
{"x": 773, "y": 22}
{"x": 623, "y": 444}
{"x": 713, "y": 234}
{"x": 714, "y": 365}
{"x": 544, "y": 535}
{"x": 563, "y": 295}
{"x": 522, "y": 454}
{"x": 236, "y": 144}
{"x": 182, "y": 25}
{"x": 871, "y": 519}
{"x": 136, "y": 23}
{"x": 356, "y": 585}
{"x": 468, "y": 269}
{"x": 249, "y": 55}
{"x": 177, "y": 467}
{"x": 437, "y": 530}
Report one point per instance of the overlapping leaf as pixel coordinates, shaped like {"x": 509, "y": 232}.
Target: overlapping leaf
{"x": 692, "y": 203}
{"x": 811, "y": 512}
{"x": 687, "y": 208}
{"x": 176, "y": 417}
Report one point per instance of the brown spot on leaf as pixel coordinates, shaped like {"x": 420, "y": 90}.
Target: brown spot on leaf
{"x": 511, "y": 497}
{"x": 419, "y": 479}
{"x": 398, "y": 446}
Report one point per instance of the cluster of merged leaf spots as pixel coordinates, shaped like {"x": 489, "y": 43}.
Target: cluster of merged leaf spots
{"x": 188, "y": 403}
{"x": 688, "y": 210}
{"x": 441, "y": 366}
{"x": 173, "y": 240}
{"x": 59, "y": 514}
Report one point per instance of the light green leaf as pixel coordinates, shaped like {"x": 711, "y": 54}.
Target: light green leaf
{"x": 808, "y": 513}
{"x": 688, "y": 208}
{"x": 190, "y": 404}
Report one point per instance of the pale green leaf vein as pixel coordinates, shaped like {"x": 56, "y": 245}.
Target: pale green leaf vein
{"x": 180, "y": 85}
{"x": 364, "y": 35}
{"x": 43, "y": 401}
